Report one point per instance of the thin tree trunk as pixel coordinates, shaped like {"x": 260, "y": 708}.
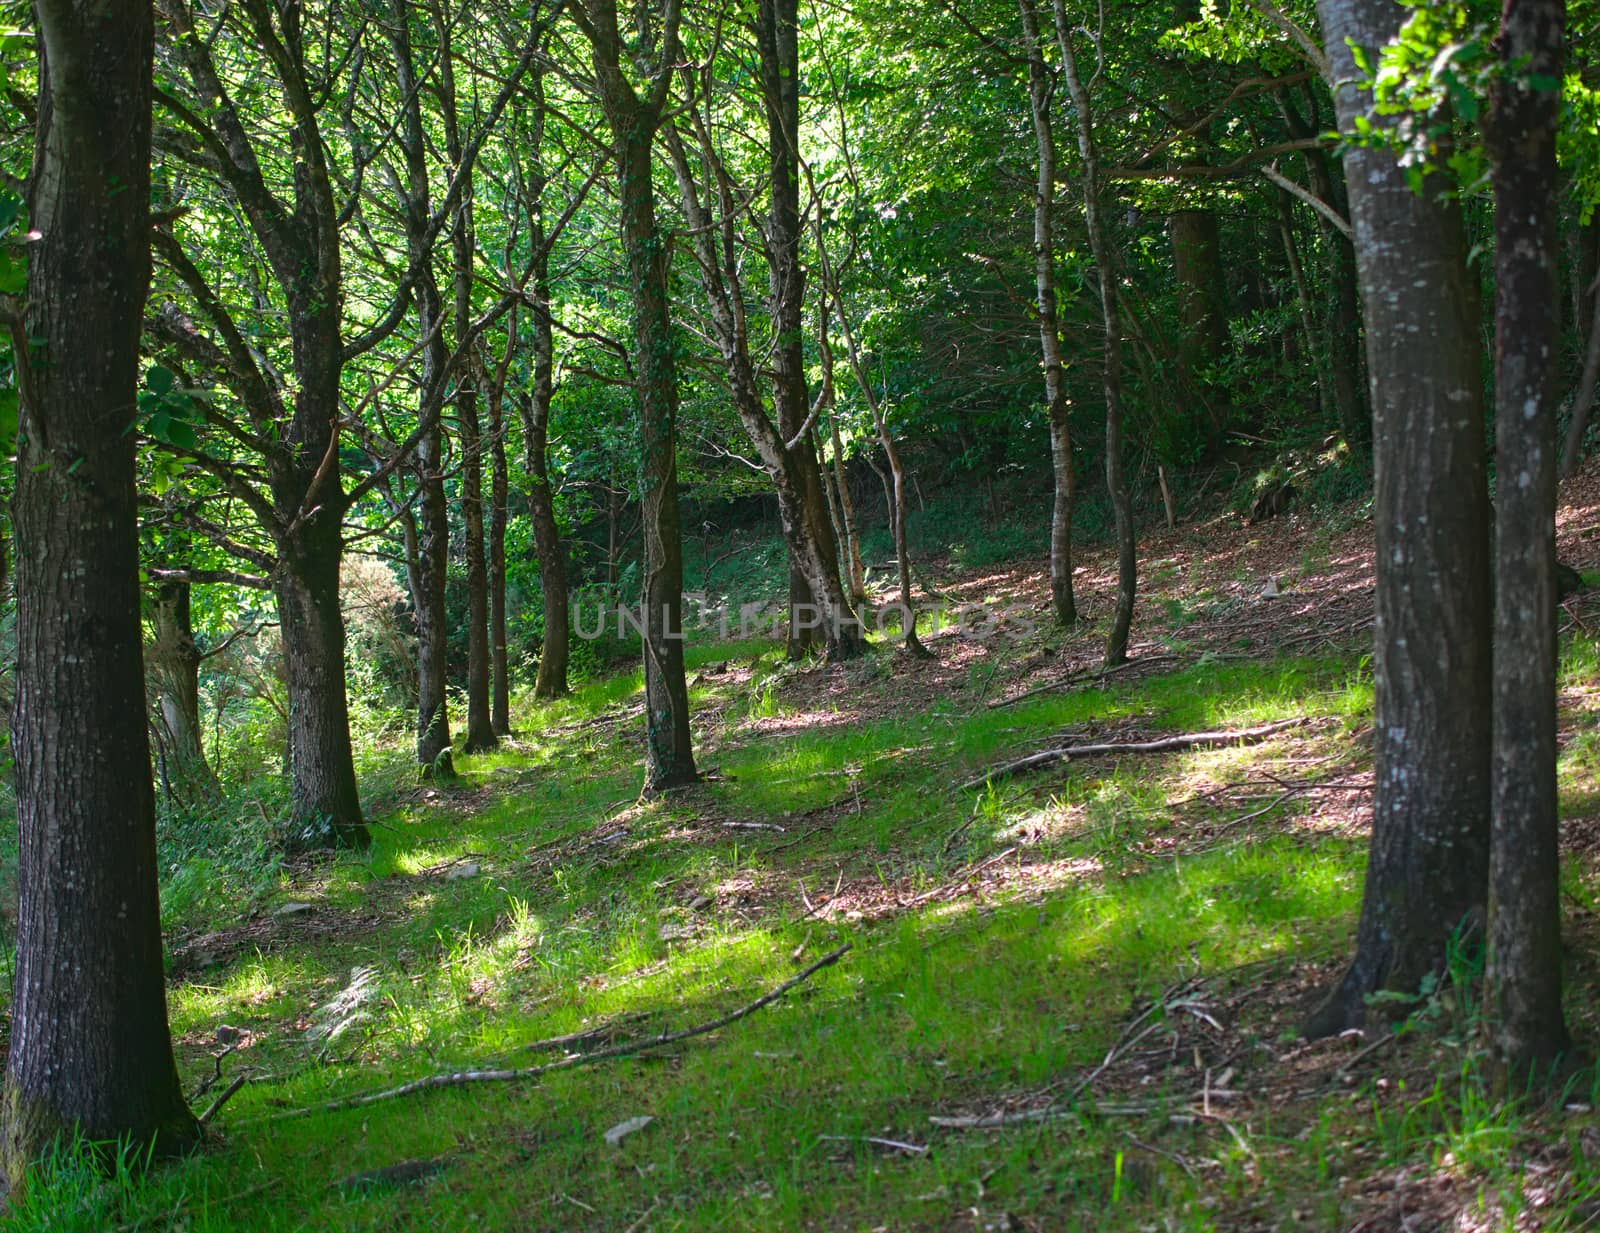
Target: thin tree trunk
{"x": 499, "y": 485}
{"x": 1427, "y": 873}
{"x": 633, "y": 123}
{"x": 1202, "y": 309}
{"x": 895, "y": 484}
{"x": 91, "y": 1051}
{"x": 552, "y": 678}
{"x": 1342, "y": 317}
{"x": 1058, "y": 412}
{"x": 1525, "y": 1025}
{"x": 480, "y": 736}
{"x": 1111, "y": 379}
{"x": 850, "y": 536}
{"x": 816, "y": 593}
{"x": 431, "y": 573}
{"x": 1302, "y": 300}
{"x": 814, "y": 574}
{"x": 1583, "y": 399}
{"x": 173, "y": 665}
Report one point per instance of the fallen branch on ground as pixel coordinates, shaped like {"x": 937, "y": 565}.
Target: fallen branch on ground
{"x": 1192, "y": 740}
{"x": 463, "y": 1078}
{"x": 1081, "y": 675}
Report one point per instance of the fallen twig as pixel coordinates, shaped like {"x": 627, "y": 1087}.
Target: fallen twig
{"x": 588, "y": 1034}
{"x": 894, "y": 1145}
{"x": 1191, "y": 740}
{"x": 463, "y": 1078}
{"x": 228, "y": 1093}
{"x": 956, "y": 882}
{"x": 1157, "y": 1151}
{"x": 1366, "y": 1051}
{"x": 1083, "y": 674}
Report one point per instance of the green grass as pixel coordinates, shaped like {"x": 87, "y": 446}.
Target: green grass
{"x": 578, "y": 909}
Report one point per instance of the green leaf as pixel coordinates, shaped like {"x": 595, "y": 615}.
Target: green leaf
{"x": 160, "y": 380}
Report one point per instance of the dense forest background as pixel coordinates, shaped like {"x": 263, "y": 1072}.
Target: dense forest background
{"x": 411, "y": 399}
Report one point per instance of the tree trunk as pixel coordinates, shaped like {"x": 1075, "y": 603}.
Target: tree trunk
{"x": 1111, "y": 365}
{"x": 814, "y": 552}
{"x": 1040, "y": 89}
{"x": 433, "y": 514}
{"x": 480, "y": 735}
{"x": 91, "y": 1051}
{"x": 535, "y": 407}
{"x": 849, "y": 536}
{"x": 1202, "y": 307}
{"x": 499, "y": 482}
{"x": 1427, "y": 874}
{"x": 1588, "y": 382}
{"x": 173, "y": 666}
{"x": 894, "y": 485}
{"x": 1302, "y": 302}
{"x": 480, "y": 725}
{"x": 669, "y": 752}
{"x": 1525, "y": 1025}
{"x": 325, "y": 805}
{"x": 428, "y": 603}
{"x": 1342, "y": 319}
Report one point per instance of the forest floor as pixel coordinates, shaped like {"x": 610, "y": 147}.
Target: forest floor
{"x": 1071, "y": 994}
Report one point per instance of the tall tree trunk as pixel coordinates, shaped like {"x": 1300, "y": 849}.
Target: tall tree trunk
{"x": 90, "y": 1047}
{"x": 499, "y": 484}
{"x": 430, "y": 577}
{"x": 633, "y": 122}
{"x": 535, "y": 406}
{"x": 1303, "y": 304}
{"x": 1525, "y": 1024}
{"x": 814, "y": 572}
{"x": 173, "y": 666}
{"x": 1111, "y": 364}
{"x": 1040, "y": 90}
{"x": 1589, "y": 381}
{"x": 669, "y": 752}
{"x": 1427, "y": 873}
{"x": 1202, "y": 307}
{"x": 480, "y": 725}
{"x": 894, "y": 481}
{"x": 325, "y": 805}
{"x": 1342, "y": 323}
{"x": 480, "y": 735}
{"x": 428, "y": 598}
{"x": 849, "y": 536}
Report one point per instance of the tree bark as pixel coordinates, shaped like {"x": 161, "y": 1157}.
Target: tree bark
{"x": 173, "y": 667}
{"x": 499, "y": 486}
{"x": 1342, "y": 323}
{"x": 480, "y": 724}
{"x": 849, "y": 537}
{"x": 429, "y": 577}
{"x": 303, "y": 511}
{"x": 480, "y": 736}
{"x": 91, "y": 1051}
{"x": 535, "y": 407}
{"x": 1111, "y": 361}
{"x": 1427, "y": 873}
{"x": 325, "y": 805}
{"x": 784, "y": 446}
{"x": 1202, "y": 307}
{"x": 633, "y": 123}
{"x": 1040, "y": 90}
{"x": 1525, "y": 1025}
{"x": 814, "y": 552}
